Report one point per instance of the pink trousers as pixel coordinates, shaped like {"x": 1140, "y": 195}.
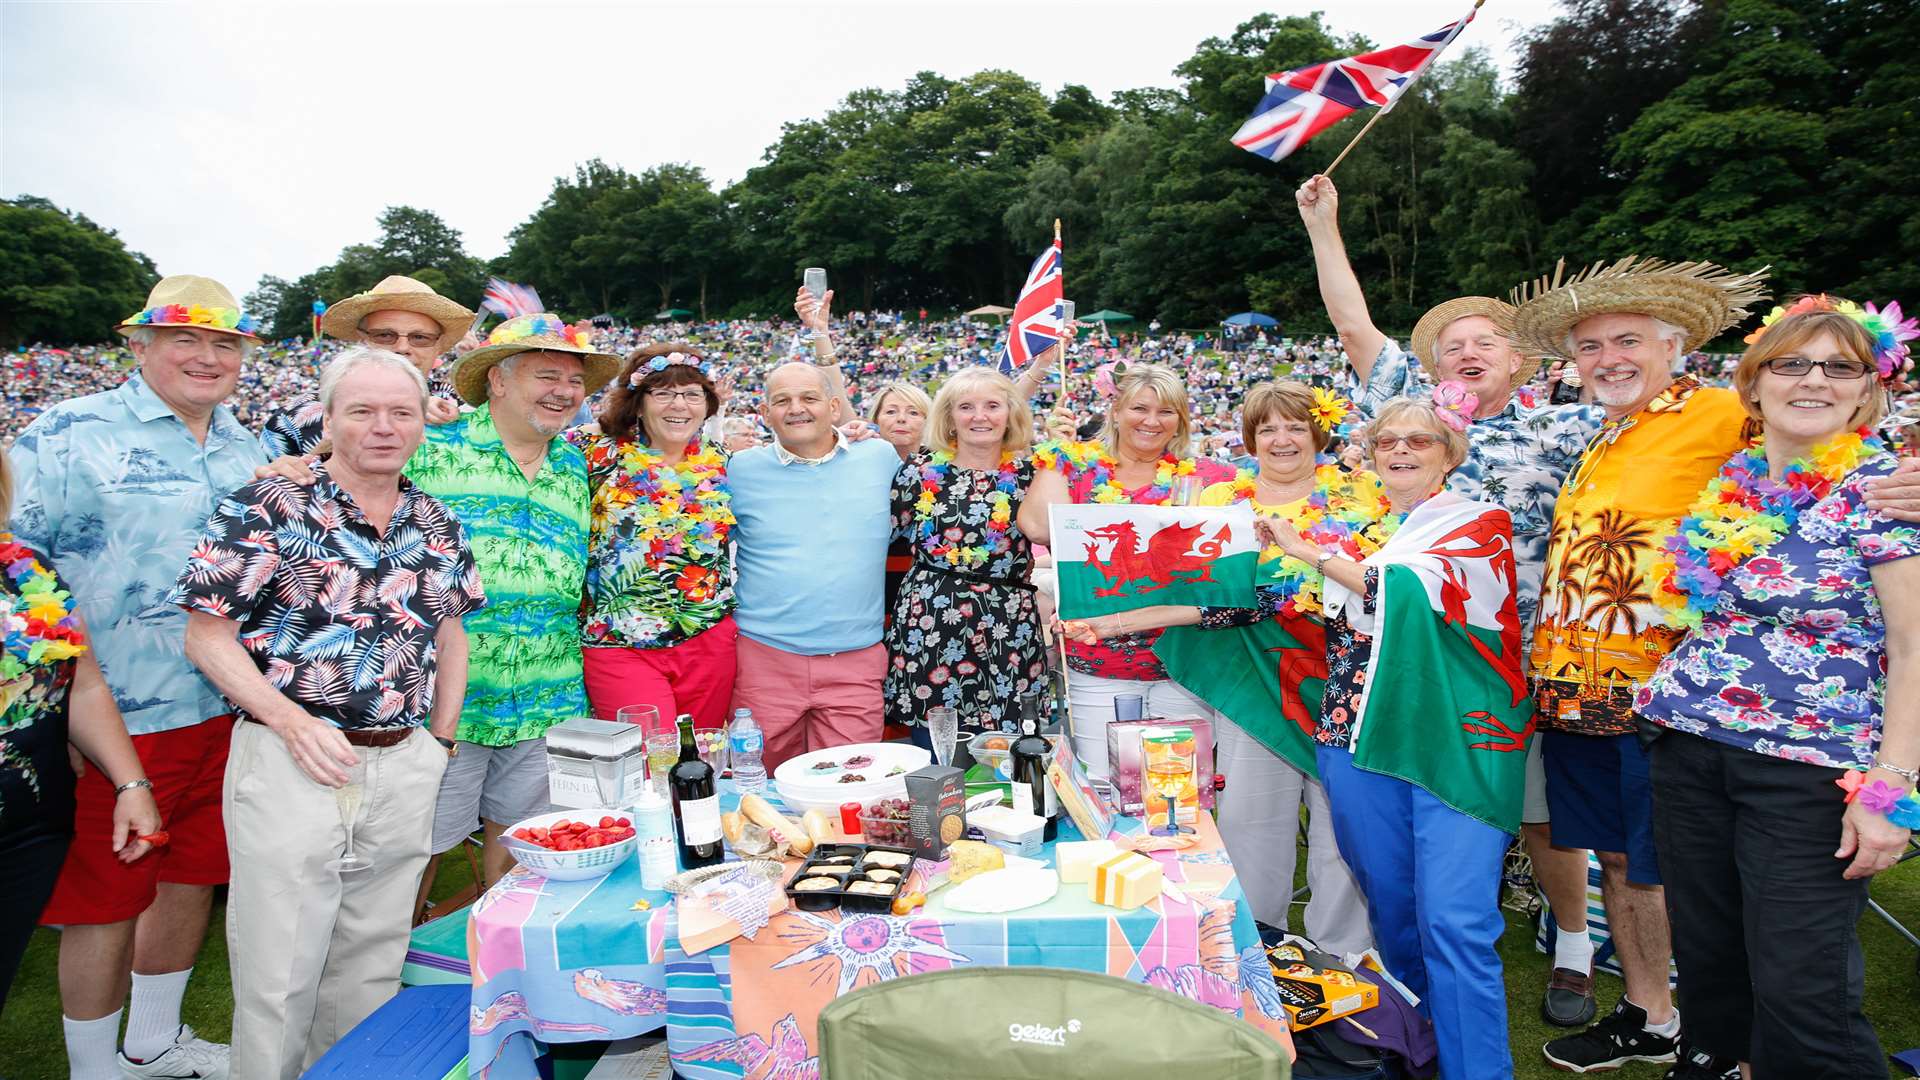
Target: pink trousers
{"x": 695, "y": 676}
{"x": 806, "y": 703}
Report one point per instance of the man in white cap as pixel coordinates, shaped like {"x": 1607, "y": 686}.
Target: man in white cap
{"x": 400, "y": 315}
{"x": 1518, "y": 454}
{"x": 115, "y": 488}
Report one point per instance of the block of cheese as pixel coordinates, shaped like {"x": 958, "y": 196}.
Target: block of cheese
{"x": 1125, "y": 880}
{"x": 1075, "y": 858}
{"x": 970, "y": 857}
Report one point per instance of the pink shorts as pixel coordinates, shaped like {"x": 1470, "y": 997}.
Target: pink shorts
{"x": 695, "y": 677}
{"x": 806, "y": 703}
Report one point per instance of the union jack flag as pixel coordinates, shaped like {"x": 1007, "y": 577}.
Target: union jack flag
{"x": 1035, "y": 324}
{"x": 509, "y": 301}
{"x": 1306, "y": 101}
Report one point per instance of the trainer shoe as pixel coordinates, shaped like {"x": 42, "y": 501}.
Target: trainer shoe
{"x": 189, "y": 1058}
{"x": 1569, "y": 1002}
{"x": 1611, "y": 1043}
{"x": 1699, "y": 1065}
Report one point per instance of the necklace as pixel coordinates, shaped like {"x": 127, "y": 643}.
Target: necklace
{"x": 1740, "y": 515}
{"x": 996, "y": 534}
{"x": 1345, "y": 512}
{"x": 1090, "y": 459}
{"x": 669, "y": 510}
{"x": 38, "y": 622}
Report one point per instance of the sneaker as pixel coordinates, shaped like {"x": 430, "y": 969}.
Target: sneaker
{"x": 1611, "y": 1043}
{"x": 189, "y": 1058}
{"x": 1699, "y": 1065}
{"x": 1569, "y": 1002}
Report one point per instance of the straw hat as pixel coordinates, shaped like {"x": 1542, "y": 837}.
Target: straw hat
{"x": 1427, "y": 331}
{"x": 191, "y": 300}
{"x": 398, "y": 293}
{"x": 531, "y": 333}
{"x": 1700, "y": 298}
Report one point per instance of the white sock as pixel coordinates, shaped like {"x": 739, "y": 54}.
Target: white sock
{"x": 1667, "y": 1030}
{"x": 90, "y": 1047}
{"x": 1572, "y": 948}
{"x": 153, "y": 1021}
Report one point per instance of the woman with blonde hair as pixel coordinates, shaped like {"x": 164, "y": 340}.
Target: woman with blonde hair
{"x": 1144, "y": 456}
{"x": 965, "y": 632}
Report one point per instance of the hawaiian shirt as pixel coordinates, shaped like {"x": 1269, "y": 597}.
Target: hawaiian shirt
{"x": 1796, "y": 666}
{"x": 293, "y": 431}
{"x": 338, "y": 616}
{"x": 659, "y": 566}
{"x": 530, "y": 541}
{"x": 1516, "y": 459}
{"x": 1600, "y": 632}
{"x": 114, "y": 491}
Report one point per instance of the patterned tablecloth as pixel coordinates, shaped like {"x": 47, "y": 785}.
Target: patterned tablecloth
{"x": 568, "y": 961}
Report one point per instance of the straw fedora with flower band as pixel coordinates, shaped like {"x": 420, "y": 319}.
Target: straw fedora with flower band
{"x": 532, "y": 333}
{"x": 398, "y": 293}
{"x": 1700, "y": 298}
{"x": 190, "y": 300}
{"x": 1426, "y": 332}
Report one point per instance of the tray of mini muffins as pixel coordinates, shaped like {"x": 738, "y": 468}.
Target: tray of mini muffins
{"x": 857, "y": 877}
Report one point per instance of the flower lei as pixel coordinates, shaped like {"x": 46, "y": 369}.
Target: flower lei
{"x": 1892, "y": 358}
{"x": 38, "y": 623}
{"x": 1741, "y": 514}
{"x": 686, "y": 507}
{"x": 933, "y": 477}
{"x": 222, "y": 318}
{"x": 1897, "y": 805}
{"x": 579, "y": 335}
{"x": 1091, "y": 458}
{"x": 1343, "y": 512}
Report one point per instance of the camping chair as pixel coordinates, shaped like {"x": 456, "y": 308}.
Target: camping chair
{"x": 1913, "y": 852}
{"x": 1027, "y": 1023}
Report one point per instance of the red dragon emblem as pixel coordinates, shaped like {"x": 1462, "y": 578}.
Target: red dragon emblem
{"x": 1171, "y": 556}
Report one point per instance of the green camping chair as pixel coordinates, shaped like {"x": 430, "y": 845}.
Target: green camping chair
{"x": 1024, "y": 1023}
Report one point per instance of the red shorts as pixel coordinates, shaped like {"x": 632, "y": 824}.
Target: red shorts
{"x": 188, "y": 768}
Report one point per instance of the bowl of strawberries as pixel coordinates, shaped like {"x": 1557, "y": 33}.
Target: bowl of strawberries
{"x": 572, "y": 845}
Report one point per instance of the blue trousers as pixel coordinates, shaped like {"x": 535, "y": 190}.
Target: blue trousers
{"x": 1431, "y": 876}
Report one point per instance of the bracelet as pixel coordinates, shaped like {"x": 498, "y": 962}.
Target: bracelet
{"x": 1902, "y": 808}
{"x": 143, "y": 782}
{"x": 1911, "y": 776}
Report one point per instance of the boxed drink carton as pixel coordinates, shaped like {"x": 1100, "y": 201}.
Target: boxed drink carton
{"x": 936, "y": 809}
{"x": 1126, "y": 765}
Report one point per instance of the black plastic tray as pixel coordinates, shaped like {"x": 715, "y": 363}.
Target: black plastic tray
{"x": 825, "y": 899}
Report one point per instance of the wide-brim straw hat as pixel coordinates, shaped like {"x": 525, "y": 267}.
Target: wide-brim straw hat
{"x": 398, "y": 293}
{"x": 190, "y": 300}
{"x": 1426, "y": 332}
{"x": 1700, "y": 298}
{"x": 532, "y": 333}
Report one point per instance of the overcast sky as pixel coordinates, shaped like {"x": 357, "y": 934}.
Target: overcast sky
{"x": 241, "y": 140}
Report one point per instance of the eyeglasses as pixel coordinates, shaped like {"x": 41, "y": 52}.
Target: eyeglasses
{"x": 388, "y": 338}
{"x": 669, "y": 397}
{"x": 1419, "y": 440}
{"x": 1795, "y": 366}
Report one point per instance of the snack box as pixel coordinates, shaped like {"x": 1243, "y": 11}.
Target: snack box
{"x": 1126, "y": 763}
{"x": 1315, "y": 988}
{"x": 850, "y": 865}
{"x": 936, "y": 808}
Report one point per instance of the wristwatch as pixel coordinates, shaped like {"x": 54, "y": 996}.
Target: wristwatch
{"x": 1911, "y": 776}
{"x": 131, "y": 784}
{"x": 452, "y": 748}
{"x": 1320, "y": 563}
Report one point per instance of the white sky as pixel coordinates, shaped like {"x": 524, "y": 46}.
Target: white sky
{"x": 241, "y": 140}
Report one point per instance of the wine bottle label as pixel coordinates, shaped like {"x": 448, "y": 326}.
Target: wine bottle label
{"x": 700, "y": 820}
{"x": 1022, "y": 798}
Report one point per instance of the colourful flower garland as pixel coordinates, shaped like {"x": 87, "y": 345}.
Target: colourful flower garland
{"x": 224, "y": 318}
{"x": 688, "y": 507}
{"x": 1344, "y": 512}
{"x": 38, "y": 623}
{"x": 1091, "y": 459}
{"x": 1891, "y": 330}
{"x": 1741, "y": 514}
{"x": 579, "y": 335}
{"x": 999, "y": 527}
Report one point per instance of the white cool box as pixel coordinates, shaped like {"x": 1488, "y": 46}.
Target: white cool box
{"x": 592, "y": 763}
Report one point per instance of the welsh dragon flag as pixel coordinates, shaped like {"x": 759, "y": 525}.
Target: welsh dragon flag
{"x": 1446, "y": 704}
{"x": 1268, "y": 678}
{"x": 1118, "y": 556}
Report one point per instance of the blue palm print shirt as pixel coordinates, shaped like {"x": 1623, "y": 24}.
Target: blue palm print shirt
{"x": 1516, "y": 459}
{"x": 115, "y": 492}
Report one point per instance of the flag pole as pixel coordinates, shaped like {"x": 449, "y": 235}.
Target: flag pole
{"x": 1378, "y": 113}
{"x": 1062, "y": 359}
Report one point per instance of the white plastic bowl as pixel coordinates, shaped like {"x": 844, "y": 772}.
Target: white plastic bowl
{"x": 804, "y": 788}
{"x": 569, "y": 865}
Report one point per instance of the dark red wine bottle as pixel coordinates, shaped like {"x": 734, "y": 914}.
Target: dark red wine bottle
{"x": 696, "y": 805}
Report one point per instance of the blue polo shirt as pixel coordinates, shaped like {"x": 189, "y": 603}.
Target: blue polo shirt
{"x": 812, "y": 542}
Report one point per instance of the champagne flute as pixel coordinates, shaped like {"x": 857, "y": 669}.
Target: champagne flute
{"x": 943, "y": 729}
{"x": 347, "y": 798}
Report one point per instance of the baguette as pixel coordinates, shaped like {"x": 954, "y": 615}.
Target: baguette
{"x": 730, "y": 825}
{"x": 819, "y": 827}
{"x": 782, "y": 828}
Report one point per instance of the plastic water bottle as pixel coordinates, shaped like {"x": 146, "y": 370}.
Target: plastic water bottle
{"x": 743, "y": 746}
{"x": 653, "y": 827}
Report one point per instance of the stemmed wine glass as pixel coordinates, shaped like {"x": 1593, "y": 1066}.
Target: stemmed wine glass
{"x": 943, "y": 729}
{"x": 347, "y": 798}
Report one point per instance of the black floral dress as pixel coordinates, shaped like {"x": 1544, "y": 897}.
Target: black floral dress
{"x": 965, "y": 636}
{"x": 1348, "y": 653}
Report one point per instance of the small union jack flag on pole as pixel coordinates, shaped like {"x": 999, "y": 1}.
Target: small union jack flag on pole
{"x": 1034, "y": 326}
{"x": 1307, "y": 101}
{"x": 510, "y": 301}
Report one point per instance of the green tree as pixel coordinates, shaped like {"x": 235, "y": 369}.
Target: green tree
{"x": 64, "y": 279}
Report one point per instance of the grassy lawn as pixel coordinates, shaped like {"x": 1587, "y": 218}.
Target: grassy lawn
{"x": 31, "y": 1048}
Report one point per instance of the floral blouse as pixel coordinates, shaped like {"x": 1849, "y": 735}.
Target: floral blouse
{"x": 659, "y": 570}
{"x": 1795, "y": 666}
{"x": 1348, "y": 652}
